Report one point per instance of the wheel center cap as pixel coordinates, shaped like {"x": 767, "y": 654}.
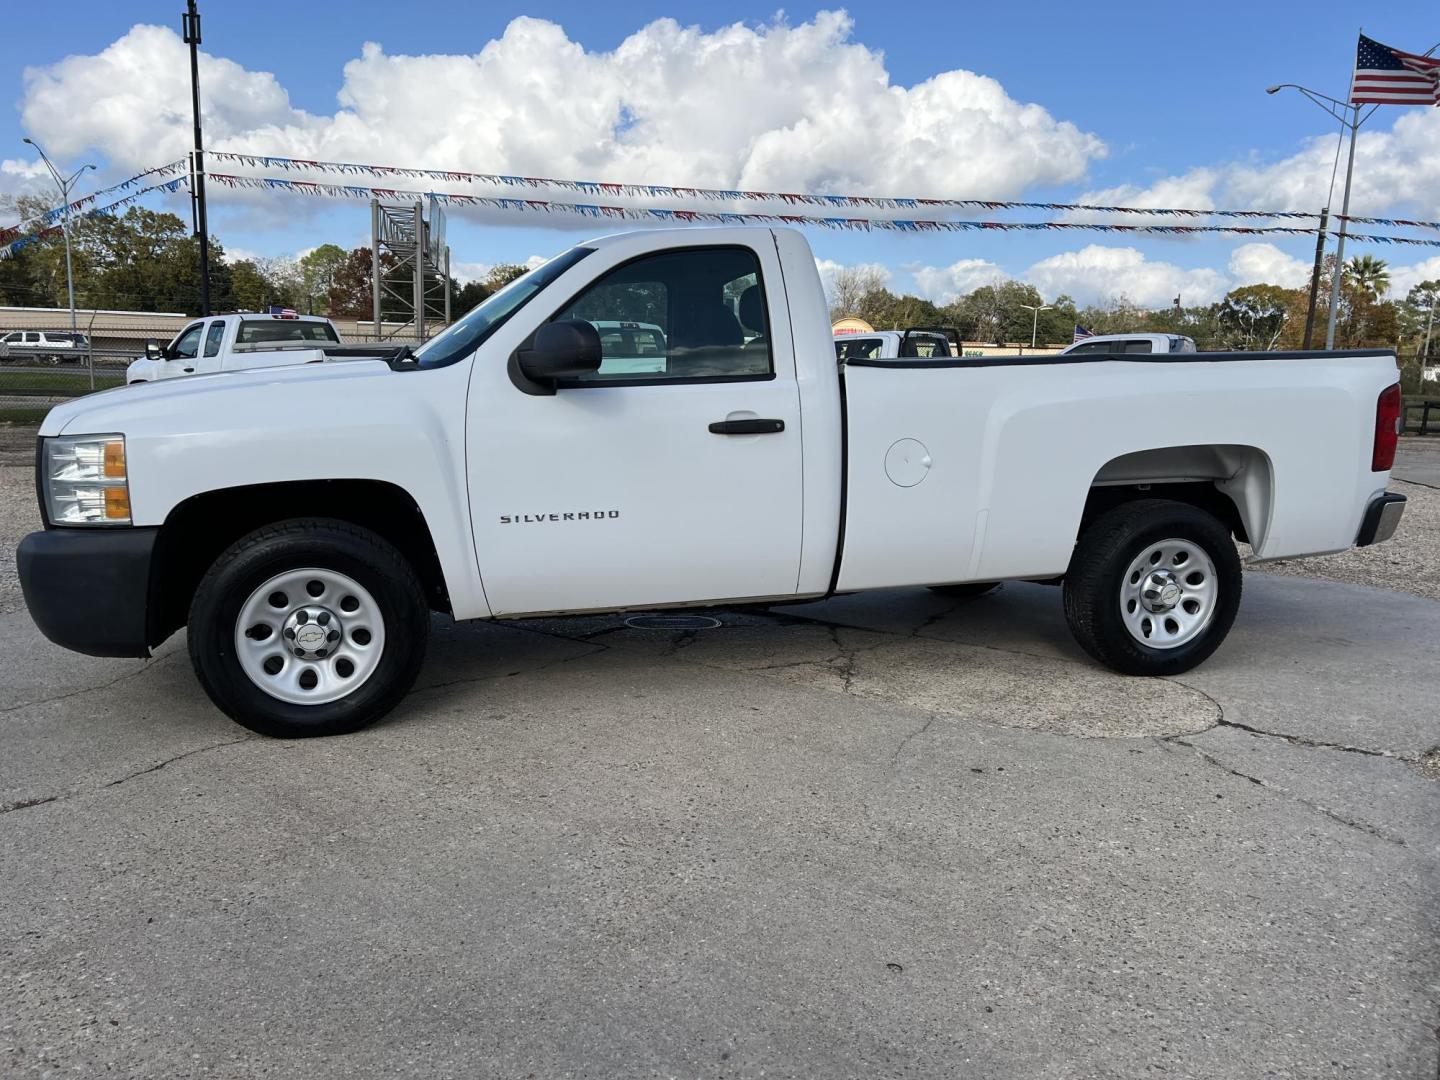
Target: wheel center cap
{"x": 310, "y": 637}
{"x": 1161, "y": 592}
{"x": 312, "y": 632}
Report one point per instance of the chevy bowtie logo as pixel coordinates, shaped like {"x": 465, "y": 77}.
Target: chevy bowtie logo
{"x": 577, "y": 515}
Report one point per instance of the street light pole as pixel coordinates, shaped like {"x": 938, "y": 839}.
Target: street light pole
{"x": 1035, "y": 318}
{"x": 1349, "y": 116}
{"x": 66, "y": 186}
{"x": 1339, "y": 273}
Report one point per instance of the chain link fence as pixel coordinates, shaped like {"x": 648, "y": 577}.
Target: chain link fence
{"x": 40, "y": 368}
{"x": 43, "y": 363}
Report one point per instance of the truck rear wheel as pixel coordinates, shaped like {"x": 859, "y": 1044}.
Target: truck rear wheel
{"x": 1153, "y": 587}
{"x": 308, "y": 627}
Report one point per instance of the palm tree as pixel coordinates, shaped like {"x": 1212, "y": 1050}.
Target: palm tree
{"x": 1370, "y": 275}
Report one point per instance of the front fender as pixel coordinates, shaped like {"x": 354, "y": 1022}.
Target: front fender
{"x": 356, "y": 420}
{"x": 142, "y": 370}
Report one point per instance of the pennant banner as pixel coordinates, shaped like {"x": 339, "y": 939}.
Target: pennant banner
{"x": 9, "y": 244}
{"x": 717, "y": 217}
{"x": 593, "y": 187}
{"x": 49, "y": 217}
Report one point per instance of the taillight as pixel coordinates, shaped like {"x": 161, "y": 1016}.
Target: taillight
{"x": 1387, "y": 429}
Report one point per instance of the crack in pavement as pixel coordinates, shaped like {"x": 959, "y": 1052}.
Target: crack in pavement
{"x": 26, "y": 804}
{"x": 1341, "y": 819}
{"x": 149, "y": 665}
{"x": 908, "y": 739}
{"x": 180, "y": 757}
{"x": 1417, "y": 761}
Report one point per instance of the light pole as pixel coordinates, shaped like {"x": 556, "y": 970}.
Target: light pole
{"x": 66, "y": 186}
{"x": 1035, "y": 318}
{"x": 1349, "y": 116}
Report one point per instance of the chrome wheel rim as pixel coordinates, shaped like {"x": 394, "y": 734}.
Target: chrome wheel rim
{"x": 1169, "y": 594}
{"x": 309, "y": 636}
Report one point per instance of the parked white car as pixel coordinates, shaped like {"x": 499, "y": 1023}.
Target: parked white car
{"x": 235, "y": 342}
{"x": 305, "y": 520}
{"x": 1131, "y": 343}
{"x": 43, "y": 347}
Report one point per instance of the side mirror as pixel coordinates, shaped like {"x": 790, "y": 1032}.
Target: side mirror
{"x": 153, "y": 351}
{"x": 559, "y": 350}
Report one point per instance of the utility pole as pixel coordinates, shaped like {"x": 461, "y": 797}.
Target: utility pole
{"x": 1429, "y": 322}
{"x": 190, "y": 25}
{"x": 1315, "y": 279}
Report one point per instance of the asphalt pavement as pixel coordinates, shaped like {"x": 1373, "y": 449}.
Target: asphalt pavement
{"x": 884, "y": 835}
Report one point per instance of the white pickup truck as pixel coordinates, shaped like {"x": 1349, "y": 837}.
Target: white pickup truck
{"x": 234, "y": 342}
{"x": 914, "y": 344}
{"x": 305, "y": 520}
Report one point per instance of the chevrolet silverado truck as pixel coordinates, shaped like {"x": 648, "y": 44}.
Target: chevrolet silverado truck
{"x": 245, "y": 340}
{"x": 304, "y": 521}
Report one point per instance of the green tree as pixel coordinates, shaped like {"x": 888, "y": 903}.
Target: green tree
{"x": 1371, "y": 276}
{"x": 1254, "y": 317}
{"x": 317, "y": 270}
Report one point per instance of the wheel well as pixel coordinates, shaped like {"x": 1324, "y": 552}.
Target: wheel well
{"x": 1230, "y": 482}
{"x": 200, "y": 528}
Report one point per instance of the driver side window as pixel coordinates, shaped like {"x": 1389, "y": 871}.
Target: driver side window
{"x": 693, "y": 314}
{"x": 187, "y": 345}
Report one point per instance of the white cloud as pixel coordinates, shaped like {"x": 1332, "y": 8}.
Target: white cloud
{"x": 25, "y": 178}
{"x": 479, "y": 271}
{"x": 777, "y": 106}
{"x": 943, "y": 284}
{"x": 470, "y": 271}
{"x": 1397, "y": 173}
{"x": 1096, "y": 274}
{"x": 1265, "y": 264}
{"x": 1405, "y": 278}
{"x": 1193, "y": 190}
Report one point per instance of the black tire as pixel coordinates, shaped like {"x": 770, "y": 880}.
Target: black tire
{"x": 966, "y": 589}
{"x": 1093, "y": 605}
{"x": 328, "y": 545}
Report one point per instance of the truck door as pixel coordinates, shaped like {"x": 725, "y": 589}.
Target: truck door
{"x": 673, "y": 482}
{"x": 182, "y": 353}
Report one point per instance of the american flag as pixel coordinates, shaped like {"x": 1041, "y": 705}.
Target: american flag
{"x": 1081, "y": 334}
{"x": 1386, "y": 76}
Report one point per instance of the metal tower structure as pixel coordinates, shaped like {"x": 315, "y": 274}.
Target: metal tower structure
{"x": 410, "y": 270}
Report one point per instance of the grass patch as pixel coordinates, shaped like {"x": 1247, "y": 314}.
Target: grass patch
{"x": 57, "y": 382}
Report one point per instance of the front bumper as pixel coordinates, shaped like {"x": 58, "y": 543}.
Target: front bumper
{"x": 1382, "y": 518}
{"x": 89, "y": 589}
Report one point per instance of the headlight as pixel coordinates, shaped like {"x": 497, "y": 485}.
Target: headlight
{"x": 85, "y": 480}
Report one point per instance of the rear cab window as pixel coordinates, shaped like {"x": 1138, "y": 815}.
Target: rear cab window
{"x": 258, "y": 331}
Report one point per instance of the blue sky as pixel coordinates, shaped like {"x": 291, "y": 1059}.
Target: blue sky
{"x": 1168, "y": 90}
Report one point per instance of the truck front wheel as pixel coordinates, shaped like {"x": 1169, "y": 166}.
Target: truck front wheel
{"x": 1153, "y": 587}
{"x": 308, "y": 627}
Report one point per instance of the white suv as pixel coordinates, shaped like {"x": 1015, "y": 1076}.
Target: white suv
{"x": 43, "y": 346}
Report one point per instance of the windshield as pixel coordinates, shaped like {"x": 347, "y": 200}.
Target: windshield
{"x": 464, "y": 336}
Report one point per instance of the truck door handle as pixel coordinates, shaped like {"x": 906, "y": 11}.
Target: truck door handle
{"x": 747, "y": 427}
